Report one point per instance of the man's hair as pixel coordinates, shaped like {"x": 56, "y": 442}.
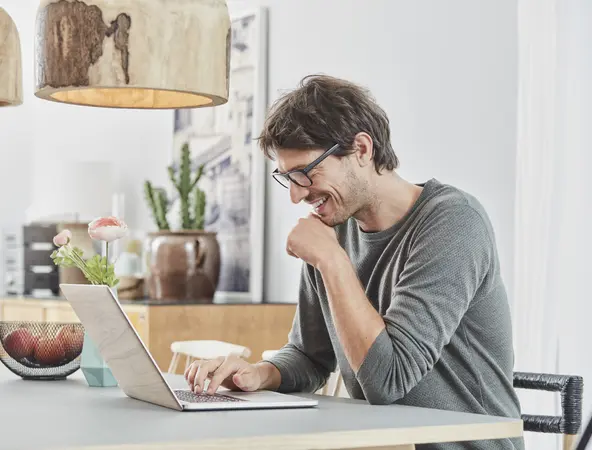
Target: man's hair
{"x": 324, "y": 111}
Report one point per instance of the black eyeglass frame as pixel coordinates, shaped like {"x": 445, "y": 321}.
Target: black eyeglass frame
{"x": 288, "y": 175}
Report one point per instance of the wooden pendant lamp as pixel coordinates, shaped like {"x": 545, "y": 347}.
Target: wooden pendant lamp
{"x": 138, "y": 54}
{"x": 11, "y": 78}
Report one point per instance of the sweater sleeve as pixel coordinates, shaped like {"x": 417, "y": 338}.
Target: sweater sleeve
{"x": 307, "y": 360}
{"x": 446, "y": 265}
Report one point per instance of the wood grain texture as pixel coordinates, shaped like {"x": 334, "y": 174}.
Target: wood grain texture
{"x": 258, "y": 327}
{"x": 274, "y": 445}
{"x": 395, "y": 438}
{"x": 570, "y": 441}
{"x": 133, "y": 53}
{"x": 11, "y": 78}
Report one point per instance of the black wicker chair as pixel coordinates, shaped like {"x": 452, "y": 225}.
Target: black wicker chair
{"x": 571, "y": 389}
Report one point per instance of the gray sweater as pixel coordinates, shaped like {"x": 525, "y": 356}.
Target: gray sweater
{"x": 434, "y": 277}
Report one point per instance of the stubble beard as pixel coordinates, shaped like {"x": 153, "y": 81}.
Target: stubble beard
{"x": 355, "y": 198}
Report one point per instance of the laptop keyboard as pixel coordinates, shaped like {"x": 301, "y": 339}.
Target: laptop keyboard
{"x": 192, "y": 397}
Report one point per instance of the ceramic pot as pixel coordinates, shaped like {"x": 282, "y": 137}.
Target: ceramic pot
{"x": 183, "y": 265}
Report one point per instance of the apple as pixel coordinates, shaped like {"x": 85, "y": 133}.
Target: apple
{"x": 72, "y": 338}
{"x": 49, "y": 351}
{"x": 20, "y": 343}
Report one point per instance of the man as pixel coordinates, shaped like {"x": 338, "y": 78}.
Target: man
{"x": 400, "y": 285}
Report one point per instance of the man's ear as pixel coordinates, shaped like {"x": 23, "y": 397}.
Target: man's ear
{"x": 364, "y": 149}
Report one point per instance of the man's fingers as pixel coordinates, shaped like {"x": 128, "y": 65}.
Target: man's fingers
{"x": 191, "y": 371}
{"x": 204, "y": 369}
{"x": 226, "y": 369}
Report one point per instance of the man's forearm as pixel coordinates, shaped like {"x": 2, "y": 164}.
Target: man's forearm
{"x": 357, "y": 323}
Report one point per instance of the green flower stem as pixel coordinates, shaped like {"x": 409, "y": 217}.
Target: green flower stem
{"x": 97, "y": 269}
{"x": 106, "y": 259}
{"x": 82, "y": 266}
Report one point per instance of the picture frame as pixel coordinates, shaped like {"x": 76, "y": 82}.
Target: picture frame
{"x": 223, "y": 138}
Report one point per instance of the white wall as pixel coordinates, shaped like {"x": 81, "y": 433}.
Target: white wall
{"x": 444, "y": 71}
{"x": 17, "y": 128}
{"x": 574, "y": 241}
{"x": 39, "y": 134}
{"x": 137, "y": 143}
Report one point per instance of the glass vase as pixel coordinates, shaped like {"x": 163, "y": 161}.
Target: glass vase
{"x": 93, "y": 366}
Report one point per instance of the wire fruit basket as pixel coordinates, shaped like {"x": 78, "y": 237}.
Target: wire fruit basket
{"x": 41, "y": 350}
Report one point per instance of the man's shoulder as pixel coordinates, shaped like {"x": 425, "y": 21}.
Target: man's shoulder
{"x": 446, "y": 201}
{"x": 440, "y": 203}
{"x": 442, "y": 196}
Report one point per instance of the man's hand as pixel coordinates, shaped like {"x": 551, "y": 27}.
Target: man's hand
{"x": 231, "y": 372}
{"x": 311, "y": 240}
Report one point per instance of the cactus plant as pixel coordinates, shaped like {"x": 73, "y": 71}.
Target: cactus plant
{"x": 192, "y": 216}
{"x": 199, "y": 205}
{"x": 157, "y": 200}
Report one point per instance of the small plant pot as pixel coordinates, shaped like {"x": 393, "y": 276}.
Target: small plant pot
{"x": 183, "y": 265}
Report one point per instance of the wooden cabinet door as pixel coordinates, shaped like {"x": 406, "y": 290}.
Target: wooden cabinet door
{"x": 138, "y": 316}
{"x": 61, "y": 313}
{"x": 23, "y": 312}
{"x": 38, "y": 311}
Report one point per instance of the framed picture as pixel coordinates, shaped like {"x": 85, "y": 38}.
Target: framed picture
{"x": 223, "y": 139}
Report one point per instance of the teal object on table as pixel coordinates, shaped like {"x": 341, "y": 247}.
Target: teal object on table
{"x": 94, "y": 367}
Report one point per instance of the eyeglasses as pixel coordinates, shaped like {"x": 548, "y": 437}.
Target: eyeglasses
{"x": 300, "y": 176}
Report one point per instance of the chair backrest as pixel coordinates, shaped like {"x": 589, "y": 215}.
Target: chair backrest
{"x": 209, "y": 349}
{"x": 204, "y": 349}
{"x": 571, "y": 389}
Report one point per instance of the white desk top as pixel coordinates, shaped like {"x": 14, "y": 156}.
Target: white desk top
{"x": 60, "y": 414}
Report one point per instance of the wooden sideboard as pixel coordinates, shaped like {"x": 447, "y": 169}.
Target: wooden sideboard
{"x": 256, "y": 326}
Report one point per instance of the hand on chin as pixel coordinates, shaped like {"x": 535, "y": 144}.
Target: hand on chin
{"x": 311, "y": 240}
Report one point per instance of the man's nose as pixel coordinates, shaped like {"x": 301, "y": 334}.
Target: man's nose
{"x": 297, "y": 193}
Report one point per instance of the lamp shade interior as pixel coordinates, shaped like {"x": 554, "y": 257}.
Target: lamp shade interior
{"x": 135, "y": 98}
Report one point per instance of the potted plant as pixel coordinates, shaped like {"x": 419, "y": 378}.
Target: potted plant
{"x": 183, "y": 264}
{"x": 97, "y": 270}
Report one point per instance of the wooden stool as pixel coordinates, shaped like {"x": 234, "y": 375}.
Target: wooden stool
{"x": 193, "y": 350}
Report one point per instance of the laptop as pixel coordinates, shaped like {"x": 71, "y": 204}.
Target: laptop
{"x": 134, "y": 368}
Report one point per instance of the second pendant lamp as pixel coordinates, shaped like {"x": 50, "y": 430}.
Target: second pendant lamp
{"x": 138, "y": 54}
{"x": 11, "y": 78}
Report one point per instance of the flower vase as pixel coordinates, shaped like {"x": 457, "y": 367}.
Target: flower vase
{"x": 93, "y": 366}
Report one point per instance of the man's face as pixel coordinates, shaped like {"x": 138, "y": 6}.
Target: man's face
{"x": 337, "y": 191}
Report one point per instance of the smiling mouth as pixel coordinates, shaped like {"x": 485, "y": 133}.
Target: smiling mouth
{"x": 319, "y": 203}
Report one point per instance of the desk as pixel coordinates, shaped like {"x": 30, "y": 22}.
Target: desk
{"x": 69, "y": 414}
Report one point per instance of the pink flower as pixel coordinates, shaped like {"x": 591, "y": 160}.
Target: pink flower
{"x": 107, "y": 229}
{"x": 62, "y": 238}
